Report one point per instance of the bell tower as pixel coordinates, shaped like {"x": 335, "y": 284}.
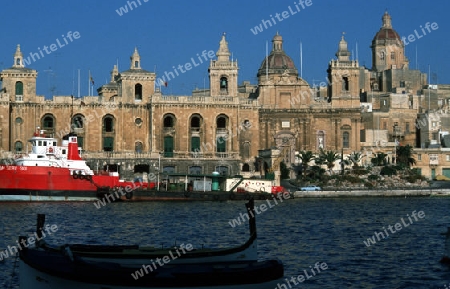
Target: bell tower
{"x": 135, "y": 85}
{"x": 343, "y": 78}
{"x": 223, "y": 72}
{"x": 18, "y": 81}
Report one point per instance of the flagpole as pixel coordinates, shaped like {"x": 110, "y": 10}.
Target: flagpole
{"x": 267, "y": 61}
{"x": 89, "y": 83}
{"x": 78, "y": 83}
{"x": 301, "y": 60}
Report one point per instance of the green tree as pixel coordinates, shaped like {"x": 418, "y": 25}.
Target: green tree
{"x": 404, "y": 156}
{"x": 329, "y": 158}
{"x": 284, "y": 171}
{"x": 354, "y": 158}
{"x": 305, "y": 157}
{"x": 379, "y": 159}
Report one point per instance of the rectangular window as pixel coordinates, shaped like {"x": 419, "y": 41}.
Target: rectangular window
{"x": 80, "y": 141}
{"x": 195, "y": 144}
{"x": 221, "y": 145}
{"x": 407, "y": 127}
{"x": 346, "y": 140}
{"x": 419, "y": 157}
{"x": 168, "y": 146}
{"x": 447, "y": 158}
{"x": 285, "y": 124}
{"x": 108, "y": 144}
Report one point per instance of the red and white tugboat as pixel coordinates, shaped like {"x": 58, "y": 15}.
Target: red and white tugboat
{"x": 54, "y": 173}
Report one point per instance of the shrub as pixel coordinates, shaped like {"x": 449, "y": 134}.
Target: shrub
{"x": 388, "y": 171}
{"x": 373, "y": 177}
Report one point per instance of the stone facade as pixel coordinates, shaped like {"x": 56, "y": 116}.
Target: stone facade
{"x": 224, "y": 128}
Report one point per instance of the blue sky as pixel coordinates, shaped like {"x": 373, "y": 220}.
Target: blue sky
{"x": 169, "y": 33}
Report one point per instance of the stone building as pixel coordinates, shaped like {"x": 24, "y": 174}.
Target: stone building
{"x": 230, "y": 128}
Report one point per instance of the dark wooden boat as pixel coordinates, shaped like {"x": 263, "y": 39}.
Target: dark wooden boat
{"x": 121, "y": 267}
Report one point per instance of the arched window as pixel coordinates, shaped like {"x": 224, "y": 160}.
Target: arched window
{"x": 393, "y": 55}
{"x": 78, "y": 121}
{"x": 246, "y": 150}
{"x": 345, "y": 139}
{"x": 108, "y": 124}
{"x": 19, "y": 91}
{"x": 136, "y": 64}
{"x": 138, "y": 146}
{"x": 195, "y": 170}
{"x": 19, "y": 88}
{"x": 17, "y": 61}
{"x": 345, "y": 83}
{"x": 195, "y": 122}
{"x": 223, "y": 83}
{"x": 246, "y": 167}
{"x": 221, "y": 122}
{"x": 48, "y": 122}
{"x": 223, "y": 170}
{"x": 382, "y": 55}
{"x": 321, "y": 140}
{"x": 18, "y": 146}
{"x": 138, "y": 92}
{"x": 168, "y": 121}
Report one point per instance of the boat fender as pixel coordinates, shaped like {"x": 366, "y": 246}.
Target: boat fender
{"x": 129, "y": 195}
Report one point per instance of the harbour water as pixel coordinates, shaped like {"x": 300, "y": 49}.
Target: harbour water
{"x": 299, "y": 232}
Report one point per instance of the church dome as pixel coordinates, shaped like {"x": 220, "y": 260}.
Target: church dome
{"x": 278, "y": 61}
{"x": 386, "y": 31}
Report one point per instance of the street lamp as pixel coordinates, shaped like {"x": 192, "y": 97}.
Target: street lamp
{"x": 159, "y": 168}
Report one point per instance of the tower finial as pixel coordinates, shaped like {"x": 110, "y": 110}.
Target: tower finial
{"x": 18, "y": 57}
{"x": 135, "y": 59}
{"x": 223, "y": 54}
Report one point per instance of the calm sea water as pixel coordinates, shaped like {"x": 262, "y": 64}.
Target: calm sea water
{"x": 299, "y": 232}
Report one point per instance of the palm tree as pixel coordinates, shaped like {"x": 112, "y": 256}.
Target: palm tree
{"x": 305, "y": 157}
{"x": 355, "y": 158}
{"x": 404, "y": 156}
{"x": 329, "y": 158}
{"x": 379, "y": 159}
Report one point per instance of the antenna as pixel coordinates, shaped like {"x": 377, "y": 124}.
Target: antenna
{"x": 267, "y": 61}
{"x": 416, "y": 57}
{"x": 301, "y": 60}
{"x": 356, "y": 50}
{"x": 429, "y": 84}
{"x": 78, "y": 83}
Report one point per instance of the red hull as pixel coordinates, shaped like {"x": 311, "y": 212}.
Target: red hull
{"x": 51, "y": 179}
